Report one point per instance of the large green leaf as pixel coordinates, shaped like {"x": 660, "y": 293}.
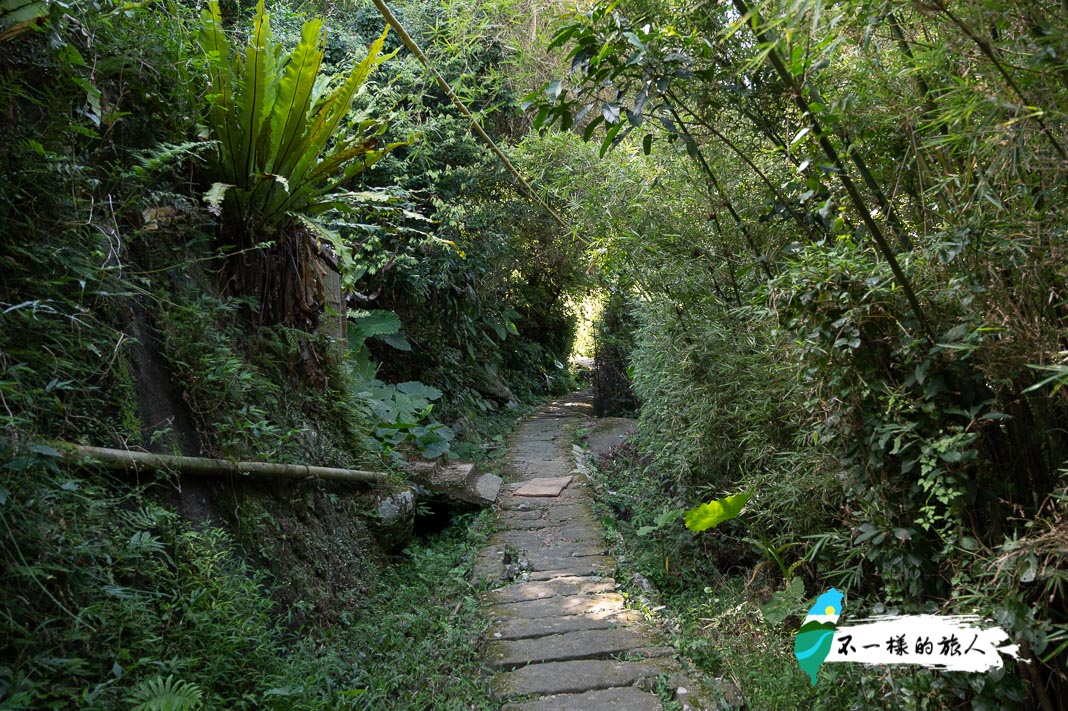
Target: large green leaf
{"x": 250, "y": 98}
{"x": 421, "y": 390}
{"x": 279, "y": 126}
{"x": 331, "y": 110}
{"x": 396, "y": 340}
{"x": 375, "y": 322}
{"x": 220, "y": 96}
{"x": 785, "y": 602}
{"x": 706, "y": 516}
{"x": 289, "y": 112}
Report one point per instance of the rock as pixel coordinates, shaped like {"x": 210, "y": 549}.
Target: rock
{"x": 457, "y": 482}
{"x": 628, "y": 698}
{"x": 396, "y": 519}
{"x": 485, "y": 488}
{"x": 581, "y": 644}
{"x": 702, "y": 694}
{"x": 607, "y": 434}
{"x": 576, "y": 677}
{"x": 495, "y": 390}
{"x": 543, "y": 486}
{"x": 642, "y": 582}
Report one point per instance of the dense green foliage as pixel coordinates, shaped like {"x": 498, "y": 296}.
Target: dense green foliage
{"x": 851, "y": 299}
{"x": 182, "y": 234}
{"x": 830, "y": 240}
{"x": 116, "y": 592}
{"x": 119, "y": 602}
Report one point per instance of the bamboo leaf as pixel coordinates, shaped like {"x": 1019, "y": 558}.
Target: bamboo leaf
{"x": 610, "y": 111}
{"x": 553, "y": 89}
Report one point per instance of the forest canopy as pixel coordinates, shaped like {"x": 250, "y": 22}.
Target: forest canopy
{"x": 826, "y": 240}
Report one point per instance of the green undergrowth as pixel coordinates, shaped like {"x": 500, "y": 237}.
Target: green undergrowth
{"x": 485, "y": 434}
{"x": 112, "y": 600}
{"x": 714, "y": 616}
{"x": 108, "y": 595}
{"x": 412, "y": 644}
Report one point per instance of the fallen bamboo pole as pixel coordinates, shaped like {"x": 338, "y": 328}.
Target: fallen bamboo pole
{"x": 123, "y": 459}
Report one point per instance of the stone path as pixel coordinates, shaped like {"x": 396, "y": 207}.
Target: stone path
{"x": 561, "y": 637}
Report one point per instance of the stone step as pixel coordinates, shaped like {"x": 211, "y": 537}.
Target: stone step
{"x": 543, "y": 626}
{"x": 547, "y": 515}
{"x": 570, "y": 512}
{"x": 538, "y": 513}
{"x": 555, "y": 633}
{"x": 557, "y": 606}
{"x": 618, "y": 699}
{"x": 568, "y": 530}
{"x": 536, "y": 590}
{"x": 489, "y": 565}
{"x": 560, "y": 557}
{"x": 532, "y": 464}
{"x": 545, "y": 486}
{"x": 588, "y": 565}
{"x": 585, "y": 644}
{"x": 548, "y": 563}
{"x": 575, "y": 677}
{"x": 524, "y": 520}
{"x": 571, "y": 495}
{"x": 544, "y": 538}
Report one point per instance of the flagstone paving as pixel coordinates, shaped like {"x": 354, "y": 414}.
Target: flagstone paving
{"x": 560, "y": 635}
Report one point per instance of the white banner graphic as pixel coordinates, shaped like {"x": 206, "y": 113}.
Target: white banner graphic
{"x": 954, "y": 643}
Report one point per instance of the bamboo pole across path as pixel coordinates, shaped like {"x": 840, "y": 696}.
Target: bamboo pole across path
{"x": 125, "y": 460}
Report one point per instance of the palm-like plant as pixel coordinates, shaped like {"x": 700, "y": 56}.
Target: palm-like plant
{"x": 285, "y": 153}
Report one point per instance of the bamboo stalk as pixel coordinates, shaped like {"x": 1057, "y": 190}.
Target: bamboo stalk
{"x": 761, "y": 259}
{"x": 745, "y": 157}
{"x": 125, "y": 460}
{"x": 777, "y": 63}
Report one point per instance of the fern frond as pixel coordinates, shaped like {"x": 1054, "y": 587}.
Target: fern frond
{"x": 250, "y": 101}
{"x": 159, "y": 694}
{"x": 334, "y": 108}
{"x": 289, "y": 113}
{"x": 220, "y": 72}
{"x": 168, "y": 154}
{"x": 277, "y": 121}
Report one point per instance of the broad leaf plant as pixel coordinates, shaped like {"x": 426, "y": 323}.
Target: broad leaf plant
{"x": 287, "y": 151}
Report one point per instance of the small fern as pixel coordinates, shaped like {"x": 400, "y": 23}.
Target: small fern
{"x": 166, "y": 155}
{"x": 149, "y": 516}
{"x": 159, "y": 694}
